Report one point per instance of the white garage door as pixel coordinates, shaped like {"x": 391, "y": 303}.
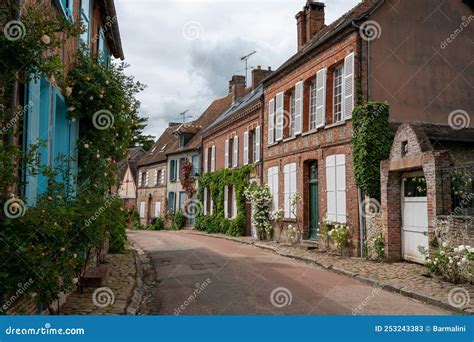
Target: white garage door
{"x": 415, "y": 218}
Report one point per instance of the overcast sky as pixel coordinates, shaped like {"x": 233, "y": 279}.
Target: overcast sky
{"x": 187, "y": 51}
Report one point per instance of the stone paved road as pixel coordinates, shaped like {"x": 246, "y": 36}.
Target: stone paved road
{"x": 203, "y": 275}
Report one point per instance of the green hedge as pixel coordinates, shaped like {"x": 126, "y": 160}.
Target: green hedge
{"x": 372, "y": 140}
{"x": 216, "y": 181}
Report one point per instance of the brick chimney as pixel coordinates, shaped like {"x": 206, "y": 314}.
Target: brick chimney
{"x": 309, "y": 22}
{"x": 314, "y": 18}
{"x": 301, "y": 28}
{"x": 259, "y": 74}
{"x": 237, "y": 87}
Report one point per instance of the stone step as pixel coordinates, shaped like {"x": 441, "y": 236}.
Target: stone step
{"x": 308, "y": 245}
{"x": 96, "y": 276}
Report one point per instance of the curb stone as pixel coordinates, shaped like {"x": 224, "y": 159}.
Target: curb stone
{"x": 404, "y": 291}
{"x": 134, "y": 304}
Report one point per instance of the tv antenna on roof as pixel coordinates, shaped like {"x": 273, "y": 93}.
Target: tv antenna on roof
{"x": 183, "y": 114}
{"x": 246, "y": 59}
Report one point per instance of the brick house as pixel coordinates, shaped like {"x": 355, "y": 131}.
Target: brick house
{"x": 186, "y": 147}
{"x": 126, "y": 188}
{"x": 47, "y": 119}
{"x": 151, "y": 178}
{"x": 371, "y": 53}
{"x": 234, "y": 139}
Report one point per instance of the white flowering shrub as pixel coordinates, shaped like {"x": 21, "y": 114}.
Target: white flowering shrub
{"x": 340, "y": 235}
{"x": 261, "y": 199}
{"x": 453, "y": 264}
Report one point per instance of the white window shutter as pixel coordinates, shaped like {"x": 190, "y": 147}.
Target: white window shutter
{"x": 299, "y": 107}
{"x": 293, "y": 176}
{"x": 234, "y": 203}
{"x": 348, "y": 103}
{"x": 162, "y": 176}
{"x": 142, "y": 209}
{"x": 321, "y": 97}
{"x": 331, "y": 188}
{"x": 279, "y": 116}
{"x": 146, "y": 178}
{"x": 205, "y": 201}
{"x": 235, "y": 159}
{"x": 286, "y": 191}
{"x": 226, "y": 201}
{"x": 273, "y": 185}
{"x": 226, "y": 155}
{"x": 213, "y": 158}
{"x": 246, "y": 148}
{"x": 206, "y": 159}
{"x": 139, "y": 178}
{"x": 257, "y": 138}
{"x": 271, "y": 121}
{"x": 341, "y": 188}
{"x": 212, "y": 205}
{"x": 157, "y": 209}
{"x": 156, "y": 177}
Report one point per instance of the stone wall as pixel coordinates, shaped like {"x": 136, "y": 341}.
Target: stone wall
{"x": 455, "y": 230}
{"x": 374, "y": 227}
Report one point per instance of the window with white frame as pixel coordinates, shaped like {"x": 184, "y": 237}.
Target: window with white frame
{"x": 273, "y": 185}
{"x": 290, "y": 190}
{"x": 337, "y": 91}
{"x": 312, "y": 105}
{"x": 336, "y": 188}
{"x": 142, "y": 209}
{"x": 291, "y": 132}
{"x": 252, "y": 146}
{"x": 231, "y": 157}
{"x": 158, "y": 209}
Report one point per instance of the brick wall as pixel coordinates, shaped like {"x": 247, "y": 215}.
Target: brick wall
{"x": 315, "y": 145}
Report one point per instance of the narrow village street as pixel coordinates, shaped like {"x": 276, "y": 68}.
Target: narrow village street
{"x": 199, "y": 275}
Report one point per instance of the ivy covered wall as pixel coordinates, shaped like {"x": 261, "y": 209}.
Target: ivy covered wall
{"x": 216, "y": 182}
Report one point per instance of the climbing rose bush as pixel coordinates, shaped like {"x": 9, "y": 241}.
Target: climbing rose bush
{"x": 261, "y": 199}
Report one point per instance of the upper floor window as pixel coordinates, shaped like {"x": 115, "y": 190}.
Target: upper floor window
{"x": 172, "y": 170}
{"x": 159, "y": 177}
{"x": 196, "y": 166}
{"x": 292, "y": 114}
{"x": 144, "y": 179}
{"x": 182, "y": 161}
{"x": 337, "y": 98}
{"x": 85, "y": 19}
{"x": 231, "y": 157}
{"x": 252, "y": 146}
{"x": 210, "y": 159}
{"x": 312, "y": 105}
